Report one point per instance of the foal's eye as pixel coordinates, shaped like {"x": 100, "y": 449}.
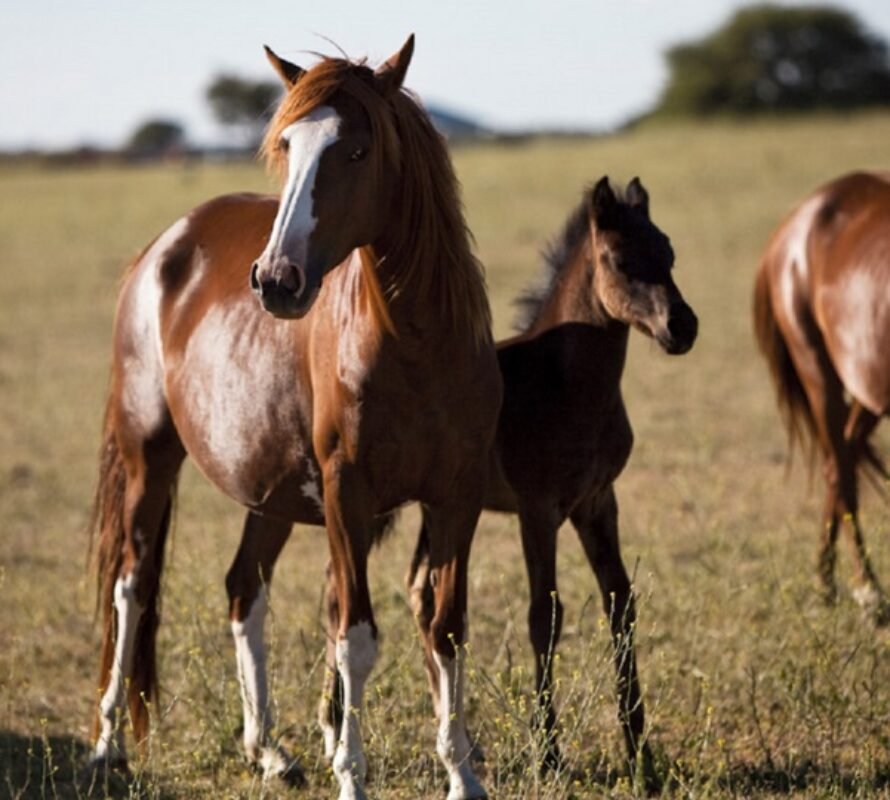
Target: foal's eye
{"x": 358, "y": 154}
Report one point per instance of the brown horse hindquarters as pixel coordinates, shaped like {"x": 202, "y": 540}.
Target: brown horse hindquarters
{"x": 822, "y": 314}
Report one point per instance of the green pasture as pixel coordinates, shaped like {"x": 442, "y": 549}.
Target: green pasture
{"x": 753, "y": 688}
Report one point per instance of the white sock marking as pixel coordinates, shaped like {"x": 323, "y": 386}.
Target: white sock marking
{"x": 110, "y": 744}
{"x": 452, "y": 743}
{"x": 356, "y": 655}
{"x": 250, "y": 654}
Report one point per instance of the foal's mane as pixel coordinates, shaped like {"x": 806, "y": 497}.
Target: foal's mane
{"x": 559, "y": 256}
{"x": 430, "y": 246}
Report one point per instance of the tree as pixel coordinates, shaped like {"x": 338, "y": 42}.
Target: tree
{"x": 243, "y": 105}
{"x": 156, "y": 137}
{"x": 772, "y": 58}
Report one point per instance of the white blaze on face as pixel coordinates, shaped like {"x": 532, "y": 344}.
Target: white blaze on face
{"x": 307, "y": 139}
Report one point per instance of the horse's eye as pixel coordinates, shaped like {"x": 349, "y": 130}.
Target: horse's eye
{"x": 358, "y": 154}
{"x": 283, "y": 145}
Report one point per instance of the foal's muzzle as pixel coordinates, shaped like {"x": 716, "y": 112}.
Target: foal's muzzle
{"x": 682, "y": 328}
{"x": 286, "y": 293}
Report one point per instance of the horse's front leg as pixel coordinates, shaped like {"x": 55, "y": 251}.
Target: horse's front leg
{"x": 350, "y": 525}
{"x": 450, "y": 531}
{"x": 247, "y": 583}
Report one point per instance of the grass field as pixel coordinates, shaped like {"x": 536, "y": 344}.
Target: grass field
{"x": 752, "y": 687}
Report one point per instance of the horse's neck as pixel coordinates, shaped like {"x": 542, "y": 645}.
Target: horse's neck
{"x": 572, "y": 301}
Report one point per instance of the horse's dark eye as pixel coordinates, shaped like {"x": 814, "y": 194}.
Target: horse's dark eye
{"x": 358, "y": 154}
{"x": 283, "y": 145}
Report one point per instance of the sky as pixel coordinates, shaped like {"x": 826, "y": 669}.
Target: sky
{"x": 78, "y": 72}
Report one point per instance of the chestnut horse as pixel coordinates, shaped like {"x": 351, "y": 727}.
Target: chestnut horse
{"x": 563, "y": 436}
{"x": 822, "y": 320}
{"x": 380, "y": 387}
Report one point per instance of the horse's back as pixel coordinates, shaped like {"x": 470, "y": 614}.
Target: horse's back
{"x": 827, "y": 268}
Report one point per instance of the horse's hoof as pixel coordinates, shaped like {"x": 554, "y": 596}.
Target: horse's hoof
{"x": 552, "y": 761}
{"x": 880, "y": 615}
{"x": 873, "y": 604}
{"x": 644, "y": 771}
{"x": 111, "y": 775}
{"x": 276, "y": 764}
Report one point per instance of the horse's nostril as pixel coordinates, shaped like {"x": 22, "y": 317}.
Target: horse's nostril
{"x": 297, "y": 280}
{"x": 254, "y": 279}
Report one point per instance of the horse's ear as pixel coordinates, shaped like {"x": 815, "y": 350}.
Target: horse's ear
{"x": 603, "y": 203}
{"x": 637, "y": 196}
{"x": 391, "y": 73}
{"x": 289, "y": 73}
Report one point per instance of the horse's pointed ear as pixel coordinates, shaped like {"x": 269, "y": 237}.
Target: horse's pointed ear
{"x": 289, "y": 73}
{"x": 391, "y": 72}
{"x": 603, "y": 203}
{"x": 637, "y": 196}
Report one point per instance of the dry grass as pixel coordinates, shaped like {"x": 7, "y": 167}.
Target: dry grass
{"x": 752, "y": 687}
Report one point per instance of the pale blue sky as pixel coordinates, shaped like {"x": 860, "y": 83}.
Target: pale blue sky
{"x": 89, "y": 70}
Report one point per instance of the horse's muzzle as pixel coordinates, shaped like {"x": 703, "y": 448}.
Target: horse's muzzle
{"x": 682, "y": 329}
{"x": 287, "y": 294}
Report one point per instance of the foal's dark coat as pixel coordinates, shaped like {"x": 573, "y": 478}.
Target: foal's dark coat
{"x": 563, "y": 434}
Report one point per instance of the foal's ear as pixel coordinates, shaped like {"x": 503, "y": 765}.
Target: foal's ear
{"x": 637, "y": 196}
{"x": 603, "y": 203}
{"x": 289, "y": 73}
{"x": 391, "y": 72}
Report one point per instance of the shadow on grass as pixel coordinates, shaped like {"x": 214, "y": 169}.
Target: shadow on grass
{"x": 57, "y": 767}
{"x": 753, "y": 779}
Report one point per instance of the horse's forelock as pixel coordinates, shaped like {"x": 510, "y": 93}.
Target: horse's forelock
{"x": 433, "y": 242}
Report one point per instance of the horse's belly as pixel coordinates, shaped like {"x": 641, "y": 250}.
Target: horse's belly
{"x": 239, "y": 409}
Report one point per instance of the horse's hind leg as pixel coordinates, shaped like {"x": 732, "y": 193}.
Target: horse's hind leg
{"x": 596, "y": 520}
{"x": 539, "y": 527}
{"x": 422, "y": 602}
{"x": 860, "y": 424}
{"x": 247, "y": 584}
{"x": 134, "y": 503}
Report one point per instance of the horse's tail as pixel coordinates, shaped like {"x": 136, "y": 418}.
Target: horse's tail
{"x": 792, "y": 399}
{"x": 107, "y": 522}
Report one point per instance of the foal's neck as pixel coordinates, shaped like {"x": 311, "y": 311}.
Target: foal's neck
{"x": 572, "y": 299}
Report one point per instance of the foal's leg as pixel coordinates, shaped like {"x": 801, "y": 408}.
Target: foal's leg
{"x": 247, "y": 583}
{"x": 131, "y": 550}
{"x": 539, "y": 527}
{"x": 596, "y": 520}
{"x": 450, "y": 531}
